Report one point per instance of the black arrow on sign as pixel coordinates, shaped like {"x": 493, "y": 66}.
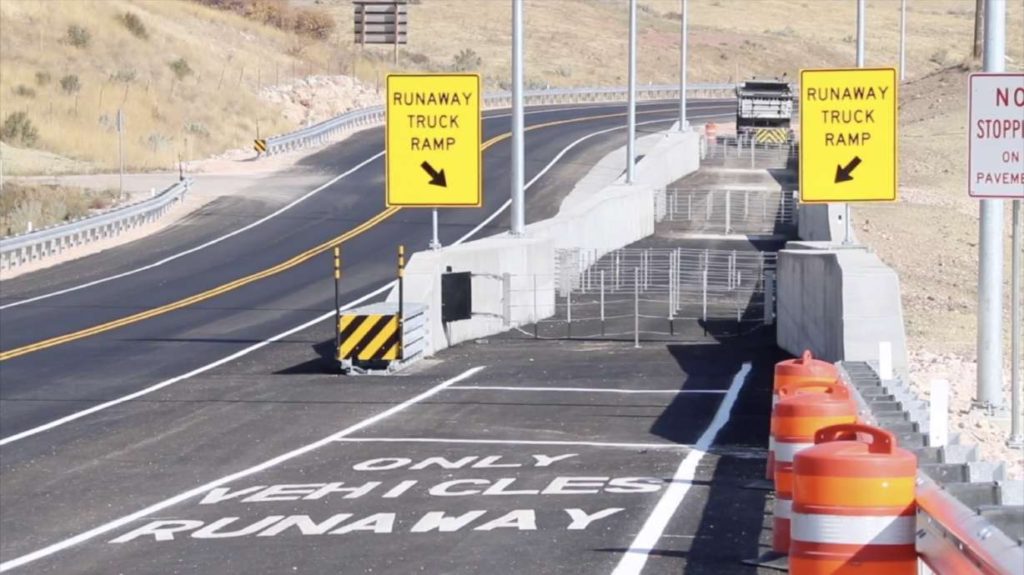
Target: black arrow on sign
{"x": 843, "y": 174}
{"x": 436, "y": 178}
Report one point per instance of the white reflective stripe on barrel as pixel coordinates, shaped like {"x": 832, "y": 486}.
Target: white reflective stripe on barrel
{"x": 785, "y": 451}
{"x": 771, "y": 443}
{"x": 783, "y": 508}
{"x": 854, "y": 529}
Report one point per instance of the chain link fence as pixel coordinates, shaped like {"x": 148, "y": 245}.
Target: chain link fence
{"x": 728, "y": 211}
{"x": 649, "y": 294}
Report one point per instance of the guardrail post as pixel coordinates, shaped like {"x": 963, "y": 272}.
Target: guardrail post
{"x": 536, "y": 312}
{"x": 602, "y": 302}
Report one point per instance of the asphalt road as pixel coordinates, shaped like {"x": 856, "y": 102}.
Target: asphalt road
{"x": 467, "y": 463}
{"x": 44, "y": 385}
{"x": 502, "y": 455}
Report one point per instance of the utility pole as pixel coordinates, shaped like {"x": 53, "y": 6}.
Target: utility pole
{"x": 990, "y": 245}
{"x": 631, "y": 104}
{"x": 903, "y": 40}
{"x": 683, "y": 124}
{"x": 979, "y": 17}
{"x": 518, "y": 216}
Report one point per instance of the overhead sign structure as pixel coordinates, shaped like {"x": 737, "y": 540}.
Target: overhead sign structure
{"x": 848, "y": 135}
{"x": 995, "y": 164}
{"x": 433, "y": 140}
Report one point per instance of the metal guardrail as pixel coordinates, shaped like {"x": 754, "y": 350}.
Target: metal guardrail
{"x": 952, "y": 538}
{"x": 18, "y": 250}
{"x": 21, "y": 249}
{"x": 321, "y": 133}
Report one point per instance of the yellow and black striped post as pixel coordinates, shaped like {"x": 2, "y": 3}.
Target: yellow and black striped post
{"x": 337, "y": 297}
{"x": 401, "y": 298}
{"x": 260, "y": 145}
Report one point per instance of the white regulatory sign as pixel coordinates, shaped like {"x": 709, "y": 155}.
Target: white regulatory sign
{"x": 995, "y": 165}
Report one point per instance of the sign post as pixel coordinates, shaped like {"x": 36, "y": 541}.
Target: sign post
{"x": 433, "y": 142}
{"x": 995, "y": 170}
{"x": 848, "y": 150}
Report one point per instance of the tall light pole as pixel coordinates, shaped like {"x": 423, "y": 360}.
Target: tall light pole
{"x": 631, "y": 104}
{"x": 518, "y": 216}
{"x": 847, "y": 239}
{"x": 990, "y": 244}
{"x": 903, "y": 39}
{"x": 683, "y": 33}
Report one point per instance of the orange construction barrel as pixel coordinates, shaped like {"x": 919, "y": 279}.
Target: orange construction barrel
{"x": 854, "y": 507}
{"x": 710, "y": 131}
{"x": 803, "y": 368}
{"x": 803, "y": 409}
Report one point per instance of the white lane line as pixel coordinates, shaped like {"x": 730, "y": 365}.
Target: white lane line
{"x": 615, "y": 445}
{"x": 203, "y": 246}
{"x": 565, "y": 150}
{"x": 197, "y": 371}
{"x": 591, "y": 389}
{"x": 632, "y": 563}
{"x": 117, "y": 523}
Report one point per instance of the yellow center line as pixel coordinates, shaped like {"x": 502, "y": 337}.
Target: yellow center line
{"x": 262, "y": 274}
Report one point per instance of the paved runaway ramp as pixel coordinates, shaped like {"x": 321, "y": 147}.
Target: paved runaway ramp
{"x": 555, "y": 457}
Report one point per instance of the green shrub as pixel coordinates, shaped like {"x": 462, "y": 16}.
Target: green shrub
{"x": 78, "y": 36}
{"x": 18, "y": 129}
{"x": 24, "y": 91}
{"x": 180, "y": 68}
{"x": 313, "y": 22}
{"x": 134, "y": 24}
{"x": 126, "y": 76}
{"x": 466, "y": 61}
{"x": 70, "y": 84}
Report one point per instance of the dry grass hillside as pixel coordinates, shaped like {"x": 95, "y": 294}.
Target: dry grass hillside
{"x": 210, "y": 99}
{"x": 187, "y": 83}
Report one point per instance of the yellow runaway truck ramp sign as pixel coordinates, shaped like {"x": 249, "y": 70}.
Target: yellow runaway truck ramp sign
{"x": 848, "y": 135}
{"x": 433, "y": 140}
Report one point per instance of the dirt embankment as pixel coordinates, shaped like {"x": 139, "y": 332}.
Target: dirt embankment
{"x": 931, "y": 238}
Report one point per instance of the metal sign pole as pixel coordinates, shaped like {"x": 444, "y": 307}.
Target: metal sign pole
{"x": 518, "y": 217}
{"x": 631, "y": 105}
{"x": 990, "y": 245}
{"x": 683, "y": 125}
{"x": 1016, "y": 318}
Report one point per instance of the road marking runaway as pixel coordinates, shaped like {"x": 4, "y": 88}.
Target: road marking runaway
{"x": 273, "y": 270}
{"x": 590, "y": 389}
{"x": 632, "y": 563}
{"x": 613, "y": 445}
{"x": 184, "y": 496}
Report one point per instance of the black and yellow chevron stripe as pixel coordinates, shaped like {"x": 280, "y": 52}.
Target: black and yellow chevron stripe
{"x": 369, "y": 337}
{"x": 771, "y": 136}
{"x": 260, "y": 145}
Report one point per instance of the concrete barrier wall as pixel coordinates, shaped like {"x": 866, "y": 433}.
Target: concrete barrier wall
{"x": 822, "y": 223}
{"x": 839, "y": 302}
{"x": 601, "y": 219}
